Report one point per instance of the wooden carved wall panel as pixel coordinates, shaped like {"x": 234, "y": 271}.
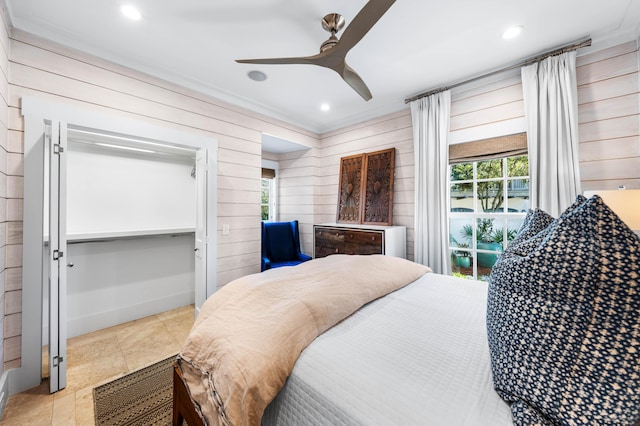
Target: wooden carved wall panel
{"x": 350, "y": 196}
{"x": 378, "y": 204}
{"x": 366, "y": 188}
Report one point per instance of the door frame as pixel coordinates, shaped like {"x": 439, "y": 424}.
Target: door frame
{"x": 36, "y": 112}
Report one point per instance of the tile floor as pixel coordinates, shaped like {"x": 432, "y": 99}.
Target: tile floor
{"x": 97, "y": 358}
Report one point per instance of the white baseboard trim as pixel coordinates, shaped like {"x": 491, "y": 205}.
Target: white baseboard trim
{"x": 99, "y": 320}
{"x": 4, "y": 392}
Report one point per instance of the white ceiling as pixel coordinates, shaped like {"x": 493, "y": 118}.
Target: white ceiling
{"x": 416, "y": 46}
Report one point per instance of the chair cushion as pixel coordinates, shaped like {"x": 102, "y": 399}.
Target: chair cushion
{"x": 285, "y": 263}
{"x": 280, "y": 243}
{"x": 563, "y": 321}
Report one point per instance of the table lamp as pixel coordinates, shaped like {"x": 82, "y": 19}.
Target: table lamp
{"x": 624, "y": 202}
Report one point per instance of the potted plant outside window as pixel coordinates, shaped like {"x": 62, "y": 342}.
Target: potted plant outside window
{"x": 462, "y": 257}
{"x": 487, "y": 239}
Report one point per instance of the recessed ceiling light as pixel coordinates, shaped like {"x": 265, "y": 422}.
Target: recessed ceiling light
{"x": 325, "y": 107}
{"x": 257, "y": 75}
{"x": 131, "y": 12}
{"x": 512, "y": 32}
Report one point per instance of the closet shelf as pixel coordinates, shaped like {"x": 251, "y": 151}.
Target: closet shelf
{"x": 120, "y": 235}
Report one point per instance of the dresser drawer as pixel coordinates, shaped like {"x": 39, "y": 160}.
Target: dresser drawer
{"x": 330, "y": 236}
{"x": 352, "y": 248}
{"x": 328, "y": 241}
{"x": 347, "y": 241}
{"x": 369, "y": 238}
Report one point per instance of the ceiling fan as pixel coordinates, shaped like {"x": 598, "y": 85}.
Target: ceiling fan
{"x": 333, "y": 51}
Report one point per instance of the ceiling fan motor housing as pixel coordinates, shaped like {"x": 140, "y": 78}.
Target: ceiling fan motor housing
{"x": 332, "y": 22}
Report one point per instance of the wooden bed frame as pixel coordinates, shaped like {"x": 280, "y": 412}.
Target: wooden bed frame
{"x": 183, "y": 409}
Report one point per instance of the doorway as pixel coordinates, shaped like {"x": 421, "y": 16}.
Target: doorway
{"x": 119, "y": 132}
{"x": 129, "y": 224}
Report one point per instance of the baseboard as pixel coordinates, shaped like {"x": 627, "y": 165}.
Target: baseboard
{"x": 100, "y": 320}
{"x": 4, "y": 392}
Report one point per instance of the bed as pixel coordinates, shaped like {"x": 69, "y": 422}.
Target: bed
{"x": 417, "y": 355}
{"x": 553, "y": 339}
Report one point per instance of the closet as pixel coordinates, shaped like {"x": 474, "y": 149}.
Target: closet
{"x": 118, "y": 217}
{"x": 130, "y": 229}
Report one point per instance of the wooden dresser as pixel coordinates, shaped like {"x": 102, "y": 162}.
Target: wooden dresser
{"x": 332, "y": 238}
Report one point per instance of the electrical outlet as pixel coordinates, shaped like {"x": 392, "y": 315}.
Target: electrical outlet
{"x": 225, "y": 229}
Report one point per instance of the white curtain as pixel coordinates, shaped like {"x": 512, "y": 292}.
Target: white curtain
{"x": 430, "y": 116}
{"x": 551, "y": 110}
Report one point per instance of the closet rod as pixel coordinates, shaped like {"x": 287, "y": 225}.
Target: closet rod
{"x": 106, "y": 239}
{"x": 567, "y": 48}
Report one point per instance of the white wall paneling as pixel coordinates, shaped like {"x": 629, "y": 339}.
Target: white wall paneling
{"x": 10, "y": 293}
{"x": 609, "y": 118}
{"x": 391, "y": 131}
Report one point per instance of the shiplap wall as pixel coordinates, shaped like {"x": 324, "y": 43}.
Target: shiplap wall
{"x": 391, "y": 131}
{"x": 608, "y": 114}
{"x": 609, "y": 138}
{"x": 42, "y": 69}
{"x": 487, "y": 108}
{"x": 298, "y": 178}
{"x": 10, "y": 228}
{"x": 313, "y": 177}
{"x": 609, "y": 118}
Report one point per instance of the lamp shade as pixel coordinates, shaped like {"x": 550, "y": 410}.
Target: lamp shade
{"x": 624, "y": 202}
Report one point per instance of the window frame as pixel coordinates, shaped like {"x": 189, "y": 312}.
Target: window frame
{"x": 273, "y": 191}
{"x": 477, "y": 214}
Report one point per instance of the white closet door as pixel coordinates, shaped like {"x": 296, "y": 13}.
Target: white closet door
{"x": 57, "y": 248}
{"x": 201, "y": 229}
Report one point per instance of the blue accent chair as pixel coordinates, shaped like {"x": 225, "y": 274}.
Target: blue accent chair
{"x": 281, "y": 245}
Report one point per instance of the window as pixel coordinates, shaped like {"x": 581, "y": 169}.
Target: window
{"x": 268, "y": 194}
{"x": 489, "y": 199}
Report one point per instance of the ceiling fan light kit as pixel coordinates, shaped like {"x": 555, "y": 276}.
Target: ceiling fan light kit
{"x": 333, "y": 51}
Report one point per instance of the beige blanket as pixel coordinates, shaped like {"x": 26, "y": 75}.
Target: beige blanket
{"x": 250, "y": 333}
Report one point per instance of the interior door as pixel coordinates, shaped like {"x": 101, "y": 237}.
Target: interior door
{"x": 57, "y": 247}
{"x": 201, "y": 239}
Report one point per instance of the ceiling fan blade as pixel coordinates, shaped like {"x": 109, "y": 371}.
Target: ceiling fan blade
{"x": 276, "y": 61}
{"x": 354, "y": 80}
{"x": 362, "y": 23}
{"x": 334, "y": 57}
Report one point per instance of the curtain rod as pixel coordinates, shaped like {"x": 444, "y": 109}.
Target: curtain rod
{"x": 568, "y": 48}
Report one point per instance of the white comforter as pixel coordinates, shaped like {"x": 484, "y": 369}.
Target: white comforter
{"x": 418, "y": 356}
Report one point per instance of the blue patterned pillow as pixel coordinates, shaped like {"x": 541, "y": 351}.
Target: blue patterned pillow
{"x": 536, "y": 224}
{"x": 563, "y": 322}
{"x": 535, "y": 221}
